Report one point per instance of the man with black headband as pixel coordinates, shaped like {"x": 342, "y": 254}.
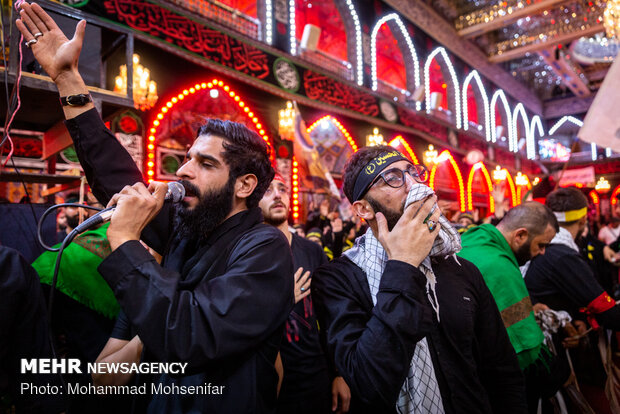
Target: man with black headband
{"x": 410, "y": 328}
{"x": 221, "y": 297}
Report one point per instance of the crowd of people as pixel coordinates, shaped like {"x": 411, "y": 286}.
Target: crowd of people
{"x": 391, "y": 308}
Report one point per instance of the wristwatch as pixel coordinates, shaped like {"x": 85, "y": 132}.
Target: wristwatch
{"x": 76, "y": 100}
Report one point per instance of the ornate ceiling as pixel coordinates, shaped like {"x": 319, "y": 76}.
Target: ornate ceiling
{"x": 556, "y": 48}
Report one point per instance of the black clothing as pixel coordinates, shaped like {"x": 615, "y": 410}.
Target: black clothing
{"x": 606, "y": 274}
{"x": 562, "y": 280}
{"x": 306, "y": 376}
{"x": 218, "y": 303}
{"x": 23, "y": 334}
{"x": 372, "y": 346}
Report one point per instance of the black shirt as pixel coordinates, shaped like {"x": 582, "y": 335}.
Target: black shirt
{"x": 305, "y": 367}
{"x": 372, "y": 345}
{"x": 218, "y": 304}
{"x": 24, "y": 334}
{"x": 562, "y": 280}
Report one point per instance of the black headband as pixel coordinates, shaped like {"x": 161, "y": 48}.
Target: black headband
{"x": 372, "y": 170}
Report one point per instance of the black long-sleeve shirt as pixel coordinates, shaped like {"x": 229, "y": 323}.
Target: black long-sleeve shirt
{"x": 563, "y": 280}
{"x": 24, "y": 334}
{"x": 218, "y": 304}
{"x": 372, "y": 346}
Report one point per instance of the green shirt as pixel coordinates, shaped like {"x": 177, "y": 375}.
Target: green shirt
{"x": 487, "y": 248}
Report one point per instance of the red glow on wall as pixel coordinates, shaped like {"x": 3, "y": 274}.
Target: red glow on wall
{"x": 472, "y": 105}
{"x": 390, "y": 62}
{"x": 325, "y": 15}
{"x": 247, "y": 7}
{"x": 437, "y": 83}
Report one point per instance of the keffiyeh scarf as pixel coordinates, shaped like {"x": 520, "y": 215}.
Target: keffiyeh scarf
{"x": 420, "y": 391}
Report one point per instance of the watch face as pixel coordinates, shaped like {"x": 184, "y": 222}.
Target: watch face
{"x": 76, "y": 100}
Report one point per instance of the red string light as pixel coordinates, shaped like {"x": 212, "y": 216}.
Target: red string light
{"x": 400, "y": 140}
{"x": 479, "y": 166}
{"x": 446, "y": 156}
{"x": 615, "y": 193}
{"x": 214, "y": 84}
{"x": 338, "y": 125}
{"x": 594, "y": 197}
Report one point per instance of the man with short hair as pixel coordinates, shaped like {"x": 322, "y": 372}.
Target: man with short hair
{"x": 410, "y": 328}
{"x": 307, "y": 386}
{"x": 523, "y": 233}
{"x": 561, "y": 278}
{"x": 222, "y": 294}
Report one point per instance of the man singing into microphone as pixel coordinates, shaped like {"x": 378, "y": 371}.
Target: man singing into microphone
{"x": 221, "y": 297}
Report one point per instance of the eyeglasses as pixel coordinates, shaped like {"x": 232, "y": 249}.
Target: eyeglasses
{"x": 395, "y": 177}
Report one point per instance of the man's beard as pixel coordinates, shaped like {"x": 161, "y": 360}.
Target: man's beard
{"x": 524, "y": 253}
{"x": 391, "y": 216}
{"x": 212, "y": 208}
{"x": 274, "y": 221}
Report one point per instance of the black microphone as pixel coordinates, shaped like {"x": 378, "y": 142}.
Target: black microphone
{"x": 175, "y": 194}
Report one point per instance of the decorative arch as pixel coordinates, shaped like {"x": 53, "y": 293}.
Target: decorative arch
{"x": 481, "y": 95}
{"x": 479, "y": 166}
{"x": 594, "y": 196}
{"x": 501, "y": 96}
{"x": 519, "y": 110}
{"x": 562, "y": 121}
{"x": 454, "y": 101}
{"x": 511, "y": 188}
{"x": 343, "y": 130}
{"x": 446, "y": 156}
{"x": 615, "y": 193}
{"x": 399, "y": 140}
{"x": 412, "y": 66}
{"x": 352, "y": 29}
{"x": 214, "y": 84}
{"x": 531, "y": 138}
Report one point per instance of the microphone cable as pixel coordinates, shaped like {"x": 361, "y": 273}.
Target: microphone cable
{"x": 67, "y": 240}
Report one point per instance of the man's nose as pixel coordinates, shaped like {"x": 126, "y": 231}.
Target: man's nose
{"x": 185, "y": 171}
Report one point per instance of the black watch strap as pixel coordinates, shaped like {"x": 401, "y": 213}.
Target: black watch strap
{"x": 76, "y": 100}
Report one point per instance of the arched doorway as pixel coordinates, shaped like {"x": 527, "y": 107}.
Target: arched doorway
{"x": 339, "y": 47}
{"x": 500, "y": 118}
{"x": 446, "y": 179}
{"x": 476, "y": 104}
{"x": 175, "y": 126}
{"x": 442, "y": 77}
{"x": 520, "y": 130}
{"x": 394, "y": 61}
{"x": 478, "y": 184}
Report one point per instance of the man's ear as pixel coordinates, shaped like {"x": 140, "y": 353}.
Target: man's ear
{"x": 245, "y": 185}
{"x": 363, "y": 209}
{"x": 520, "y": 236}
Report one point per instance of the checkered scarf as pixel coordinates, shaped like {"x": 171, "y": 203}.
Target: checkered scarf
{"x": 420, "y": 391}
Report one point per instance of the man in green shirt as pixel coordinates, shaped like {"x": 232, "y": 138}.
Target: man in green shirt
{"x": 524, "y": 232}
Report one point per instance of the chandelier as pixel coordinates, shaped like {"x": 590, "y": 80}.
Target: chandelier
{"x": 499, "y": 174}
{"x": 602, "y": 186}
{"x": 375, "y": 138}
{"x": 144, "y": 89}
{"x": 430, "y": 155}
{"x": 611, "y": 18}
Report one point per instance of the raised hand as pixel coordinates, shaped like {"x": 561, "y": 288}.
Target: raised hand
{"x": 56, "y": 54}
{"x": 411, "y": 239}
